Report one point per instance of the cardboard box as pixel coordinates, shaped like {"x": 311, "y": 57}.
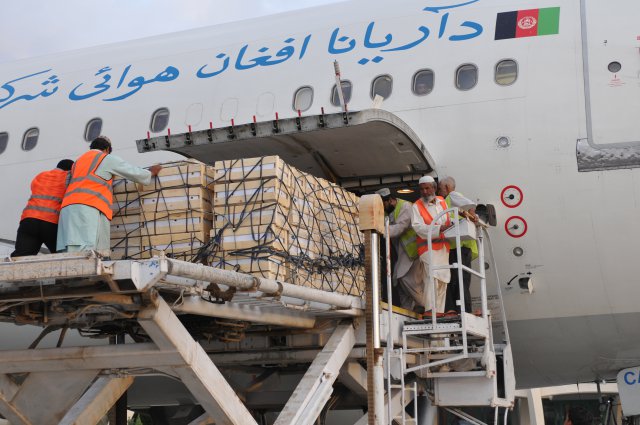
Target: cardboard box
{"x": 267, "y": 237}
{"x": 236, "y": 216}
{"x": 121, "y": 227}
{"x": 137, "y": 253}
{"x": 126, "y": 204}
{"x": 174, "y": 200}
{"x": 121, "y": 185}
{"x": 177, "y": 175}
{"x": 264, "y": 267}
{"x": 128, "y": 247}
{"x": 183, "y": 222}
{"x": 251, "y": 192}
{"x": 261, "y": 168}
{"x": 175, "y": 239}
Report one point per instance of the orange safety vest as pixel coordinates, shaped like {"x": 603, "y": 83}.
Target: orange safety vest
{"x": 86, "y": 187}
{"x": 423, "y": 244}
{"x": 47, "y": 191}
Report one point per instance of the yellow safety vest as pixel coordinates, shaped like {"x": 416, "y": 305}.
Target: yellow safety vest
{"x": 408, "y": 238}
{"x": 471, "y": 244}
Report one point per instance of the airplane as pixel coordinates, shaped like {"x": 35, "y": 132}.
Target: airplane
{"x": 530, "y": 105}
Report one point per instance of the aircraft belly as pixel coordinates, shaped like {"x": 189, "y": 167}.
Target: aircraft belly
{"x": 559, "y": 351}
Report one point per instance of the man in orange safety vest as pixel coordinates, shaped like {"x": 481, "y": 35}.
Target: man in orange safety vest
{"x": 87, "y": 205}
{"x": 39, "y": 220}
{"x": 425, "y": 213}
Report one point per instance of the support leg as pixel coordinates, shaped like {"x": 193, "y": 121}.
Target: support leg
{"x": 396, "y": 407}
{"x": 536, "y": 412}
{"x": 97, "y": 400}
{"x": 354, "y": 377}
{"x": 59, "y": 389}
{"x": 316, "y": 385}
{"x": 199, "y": 374}
{"x": 8, "y": 390}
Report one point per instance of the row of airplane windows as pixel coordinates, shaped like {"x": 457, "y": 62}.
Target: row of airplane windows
{"x": 423, "y": 82}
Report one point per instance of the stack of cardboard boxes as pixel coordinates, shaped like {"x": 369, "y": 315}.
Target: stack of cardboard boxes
{"x": 172, "y": 214}
{"x": 258, "y": 216}
{"x": 277, "y": 222}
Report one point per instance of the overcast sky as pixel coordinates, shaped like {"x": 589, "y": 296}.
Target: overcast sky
{"x": 37, "y": 27}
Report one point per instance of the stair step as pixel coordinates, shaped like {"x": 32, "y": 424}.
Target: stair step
{"x": 406, "y": 420}
{"x": 432, "y": 349}
{"x": 478, "y": 326}
{"x": 400, "y": 387}
{"x": 472, "y": 373}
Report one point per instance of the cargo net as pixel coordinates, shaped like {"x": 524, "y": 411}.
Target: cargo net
{"x": 257, "y": 216}
{"x": 171, "y": 215}
{"x": 274, "y": 221}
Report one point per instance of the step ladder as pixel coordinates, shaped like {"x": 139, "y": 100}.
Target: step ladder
{"x": 408, "y": 391}
{"x": 456, "y": 356}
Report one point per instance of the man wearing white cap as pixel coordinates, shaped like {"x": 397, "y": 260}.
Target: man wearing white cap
{"x": 468, "y": 249}
{"x": 406, "y": 271}
{"x": 424, "y": 211}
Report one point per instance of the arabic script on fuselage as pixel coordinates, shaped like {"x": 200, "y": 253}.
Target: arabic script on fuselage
{"x": 113, "y": 84}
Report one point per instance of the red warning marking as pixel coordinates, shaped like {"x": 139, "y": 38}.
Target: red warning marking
{"x": 513, "y": 229}
{"x": 506, "y": 199}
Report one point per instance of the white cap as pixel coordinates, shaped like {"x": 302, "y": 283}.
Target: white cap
{"x": 384, "y": 192}
{"x": 426, "y": 179}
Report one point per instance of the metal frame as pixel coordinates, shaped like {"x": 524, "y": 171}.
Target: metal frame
{"x": 254, "y": 139}
{"x": 316, "y": 386}
{"x": 448, "y": 385}
{"x": 88, "y": 380}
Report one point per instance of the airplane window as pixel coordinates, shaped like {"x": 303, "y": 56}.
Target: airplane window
{"x": 466, "y": 77}
{"x": 506, "y": 72}
{"x": 30, "y": 139}
{"x": 381, "y": 86}
{"x": 159, "y": 120}
{"x": 614, "y": 67}
{"x": 423, "y": 81}
{"x": 4, "y": 141}
{"x": 346, "y": 90}
{"x": 93, "y": 129}
{"x": 303, "y": 99}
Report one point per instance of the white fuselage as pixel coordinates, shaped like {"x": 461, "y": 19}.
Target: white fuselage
{"x": 579, "y": 322}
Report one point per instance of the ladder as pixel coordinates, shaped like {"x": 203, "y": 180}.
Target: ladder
{"x": 455, "y": 357}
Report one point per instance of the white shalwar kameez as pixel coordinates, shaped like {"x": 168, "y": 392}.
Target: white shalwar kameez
{"x": 82, "y": 227}
{"x": 439, "y": 257}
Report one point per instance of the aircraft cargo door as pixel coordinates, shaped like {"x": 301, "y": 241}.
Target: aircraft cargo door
{"x": 360, "y": 150}
{"x": 612, "y": 69}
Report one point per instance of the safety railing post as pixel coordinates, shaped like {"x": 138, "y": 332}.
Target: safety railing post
{"x": 389, "y": 345}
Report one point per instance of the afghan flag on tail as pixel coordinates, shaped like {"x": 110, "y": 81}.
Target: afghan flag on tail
{"x": 527, "y": 23}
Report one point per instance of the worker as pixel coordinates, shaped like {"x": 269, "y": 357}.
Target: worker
{"x": 86, "y": 207}
{"x": 424, "y": 211}
{"x": 468, "y": 249}
{"x": 406, "y": 271}
{"x": 39, "y": 220}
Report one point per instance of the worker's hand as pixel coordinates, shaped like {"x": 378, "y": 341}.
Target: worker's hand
{"x": 155, "y": 169}
{"x": 444, "y": 227}
{"x": 473, "y": 217}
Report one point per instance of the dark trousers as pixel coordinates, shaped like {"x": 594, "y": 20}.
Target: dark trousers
{"x": 453, "y": 288}
{"x": 32, "y": 233}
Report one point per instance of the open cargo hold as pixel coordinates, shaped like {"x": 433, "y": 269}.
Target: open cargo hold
{"x": 258, "y": 216}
